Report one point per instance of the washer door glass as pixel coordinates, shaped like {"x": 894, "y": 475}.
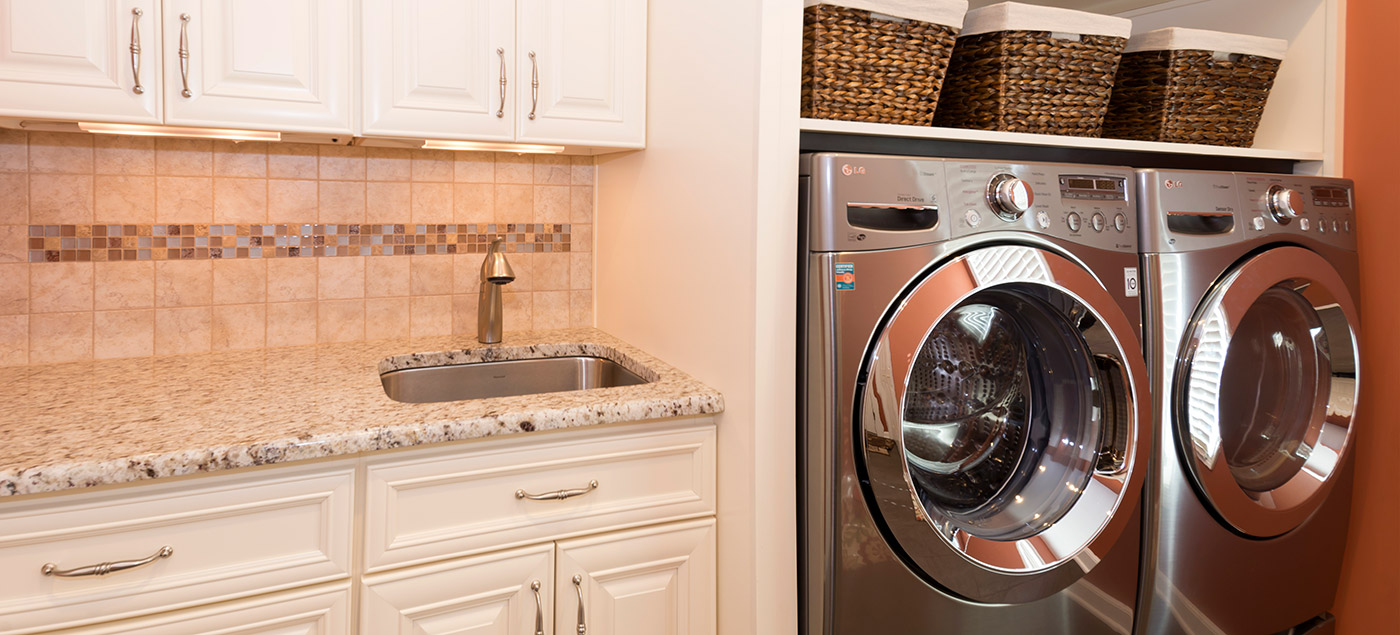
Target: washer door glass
{"x": 1266, "y": 388}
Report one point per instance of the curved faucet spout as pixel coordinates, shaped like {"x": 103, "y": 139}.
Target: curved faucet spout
{"x": 495, "y": 273}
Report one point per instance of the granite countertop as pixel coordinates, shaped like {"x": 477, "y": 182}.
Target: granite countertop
{"x": 70, "y": 426}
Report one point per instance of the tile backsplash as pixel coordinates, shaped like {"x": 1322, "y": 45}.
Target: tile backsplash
{"x": 116, "y": 246}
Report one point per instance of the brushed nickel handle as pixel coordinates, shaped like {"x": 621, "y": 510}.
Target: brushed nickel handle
{"x": 539, "y": 608}
{"x": 534, "y": 84}
{"x": 501, "y": 112}
{"x": 105, "y": 568}
{"x": 185, "y": 55}
{"x": 582, "y": 619}
{"x": 136, "y": 13}
{"x": 557, "y": 495}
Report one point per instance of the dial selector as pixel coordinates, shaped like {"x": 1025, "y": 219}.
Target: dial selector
{"x": 1074, "y": 222}
{"x": 1009, "y": 196}
{"x": 1120, "y": 222}
{"x": 1097, "y": 222}
{"x": 1284, "y": 204}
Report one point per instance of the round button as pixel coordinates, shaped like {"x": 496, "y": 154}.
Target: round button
{"x": 1097, "y": 222}
{"x": 1120, "y": 222}
{"x": 1334, "y": 227}
{"x": 1009, "y": 196}
{"x": 1303, "y": 224}
{"x": 1074, "y": 221}
{"x": 1283, "y": 203}
{"x": 973, "y": 218}
{"x": 1259, "y": 223}
{"x": 1346, "y": 225}
{"x": 1042, "y": 219}
{"x": 1321, "y": 225}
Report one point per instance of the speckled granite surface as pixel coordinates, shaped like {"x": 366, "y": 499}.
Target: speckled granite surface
{"x": 81, "y": 425}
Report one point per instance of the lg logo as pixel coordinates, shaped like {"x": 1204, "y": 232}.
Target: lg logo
{"x": 848, "y": 170}
{"x": 1171, "y": 185}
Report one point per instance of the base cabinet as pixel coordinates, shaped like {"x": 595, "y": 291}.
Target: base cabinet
{"x": 323, "y": 610}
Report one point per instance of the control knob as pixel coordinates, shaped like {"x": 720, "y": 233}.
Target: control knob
{"x": 1009, "y": 196}
{"x": 1283, "y": 203}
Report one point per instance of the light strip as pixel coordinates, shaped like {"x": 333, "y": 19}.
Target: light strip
{"x": 176, "y": 131}
{"x": 482, "y": 146}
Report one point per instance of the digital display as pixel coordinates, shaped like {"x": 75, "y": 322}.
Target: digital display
{"x": 1331, "y": 196}
{"x": 1080, "y": 184}
{"x": 1091, "y": 187}
{"x": 1107, "y": 185}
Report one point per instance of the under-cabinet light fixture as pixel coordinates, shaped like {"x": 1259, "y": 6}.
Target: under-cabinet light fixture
{"x": 482, "y": 146}
{"x": 177, "y": 131}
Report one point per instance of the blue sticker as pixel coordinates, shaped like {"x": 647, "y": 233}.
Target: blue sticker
{"x": 845, "y": 276}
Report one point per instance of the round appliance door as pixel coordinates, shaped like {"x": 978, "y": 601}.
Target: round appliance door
{"x": 999, "y": 419}
{"x": 1265, "y": 389}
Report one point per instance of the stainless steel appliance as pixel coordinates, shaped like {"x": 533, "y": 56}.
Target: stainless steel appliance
{"x": 1250, "y": 286}
{"x": 974, "y": 410}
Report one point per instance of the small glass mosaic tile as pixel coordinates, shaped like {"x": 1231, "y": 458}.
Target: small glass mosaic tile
{"x": 102, "y": 243}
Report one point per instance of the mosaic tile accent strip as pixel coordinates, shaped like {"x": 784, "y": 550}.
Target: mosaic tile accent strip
{"x": 105, "y": 243}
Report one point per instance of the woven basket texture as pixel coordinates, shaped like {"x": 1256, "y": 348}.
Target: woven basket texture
{"x": 861, "y": 68}
{"x": 1188, "y": 96}
{"x": 1028, "y": 81}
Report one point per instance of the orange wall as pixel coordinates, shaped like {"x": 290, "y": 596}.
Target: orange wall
{"x": 1369, "y": 599}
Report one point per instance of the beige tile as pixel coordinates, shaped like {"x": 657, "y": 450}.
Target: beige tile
{"x": 341, "y": 278}
{"x": 342, "y": 201}
{"x": 580, "y": 205}
{"x": 552, "y": 169}
{"x": 551, "y": 204}
{"x": 580, "y": 309}
{"x": 432, "y": 203}
{"x": 238, "y": 327}
{"x": 518, "y": 309}
{"x": 240, "y": 159}
{"x": 386, "y": 318}
{"x": 294, "y": 201}
{"x": 474, "y": 203}
{"x": 515, "y": 204}
{"x": 435, "y": 166}
{"x": 240, "y": 201}
{"x": 464, "y": 314}
{"x": 120, "y": 334}
{"x": 514, "y": 168}
{"x": 474, "y": 167}
{"x": 13, "y": 245}
{"x": 124, "y": 285}
{"x": 291, "y": 161}
{"x": 581, "y": 238}
{"x": 14, "y": 289}
{"x": 584, "y": 172}
{"x": 240, "y": 281}
{"x": 430, "y": 315}
{"x": 120, "y": 154}
{"x": 387, "y": 202}
{"x": 60, "y": 152}
{"x": 387, "y": 276}
{"x": 14, "y": 337}
{"x": 184, "y": 283}
{"x": 431, "y": 275}
{"x": 57, "y": 287}
{"x": 551, "y": 310}
{"x": 60, "y": 337}
{"x": 342, "y": 163}
{"x": 57, "y": 199}
{"x": 291, "y": 324}
{"x": 340, "y": 321}
{"x": 580, "y": 271}
{"x": 291, "y": 279}
{"x": 184, "y": 157}
{"x": 125, "y": 199}
{"x": 14, "y": 198}
{"x": 14, "y": 151}
{"x": 184, "y": 331}
{"x": 551, "y": 272}
{"x": 184, "y": 199}
{"x": 388, "y": 164}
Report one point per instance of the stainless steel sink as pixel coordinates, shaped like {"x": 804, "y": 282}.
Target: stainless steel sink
{"x": 505, "y": 379}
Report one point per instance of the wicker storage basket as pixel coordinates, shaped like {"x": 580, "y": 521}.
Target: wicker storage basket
{"x": 859, "y": 64}
{"x": 1025, "y": 68}
{"x": 1192, "y": 86}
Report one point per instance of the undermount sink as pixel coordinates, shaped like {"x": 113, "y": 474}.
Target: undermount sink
{"x": 482, "y": 380}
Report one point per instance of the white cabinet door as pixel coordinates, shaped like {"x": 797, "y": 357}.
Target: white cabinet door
{"x": 323, "y": 610}
{"x": 260, "y": 64}
{"x": 586, "y": 65}
{"x": 503, "y": 593}
{"x": 74, "y": 60}
{"x": 654, "y": 581}
{"x": 439, "y": 69}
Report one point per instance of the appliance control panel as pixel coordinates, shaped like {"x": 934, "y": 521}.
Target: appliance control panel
{"x": 1317, "y": 207}
{"x": 1088, "y": 205}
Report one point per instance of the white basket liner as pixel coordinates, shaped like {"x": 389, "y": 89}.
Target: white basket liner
{"x": 945, "y": 12}
{"x": 1015, "y": 16}
{"x": 1180, "y": 39}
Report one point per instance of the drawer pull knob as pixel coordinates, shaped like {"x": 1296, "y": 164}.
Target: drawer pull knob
{"x": 557, "y": 495}
{"x": 105, "y": 568}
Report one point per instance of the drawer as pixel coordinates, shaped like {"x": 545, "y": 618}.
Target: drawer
{"x": 467, "y": 498}
{"x": 322, "y": 610}
{"x": 229, "y": 536}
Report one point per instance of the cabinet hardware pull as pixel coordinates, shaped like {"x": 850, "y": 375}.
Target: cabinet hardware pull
{"x": 105, "y": 568}
{"x": 557, "y": 495}
{"x": 185, "y": 55}
{"x": 534, "y": 84}
{"x": 501, "y": 112}
{"x": 582, "y": 620}
{"x": 136, "y": 13}
{"x": 539, "y": 608}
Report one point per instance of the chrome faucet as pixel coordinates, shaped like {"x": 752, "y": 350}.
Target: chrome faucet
{"x": 495, "y": 273}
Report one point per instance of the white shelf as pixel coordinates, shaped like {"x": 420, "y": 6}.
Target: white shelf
{"x": 1020, "y": 138}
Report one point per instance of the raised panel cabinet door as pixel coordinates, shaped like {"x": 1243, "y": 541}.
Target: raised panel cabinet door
{"x": 259, "y": 64}
{"x": 502, "y": 593}
{"x": 321, "y": 610}
{"x": 583, "y": 70}
{"x": 439, "y": 69}
{"x": 658, "y": 580}
{"x": 83, "y": 60}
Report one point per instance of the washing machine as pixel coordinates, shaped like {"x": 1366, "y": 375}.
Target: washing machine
{"x": 974, "y": 413}
{"x": 1250, "y": 292}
